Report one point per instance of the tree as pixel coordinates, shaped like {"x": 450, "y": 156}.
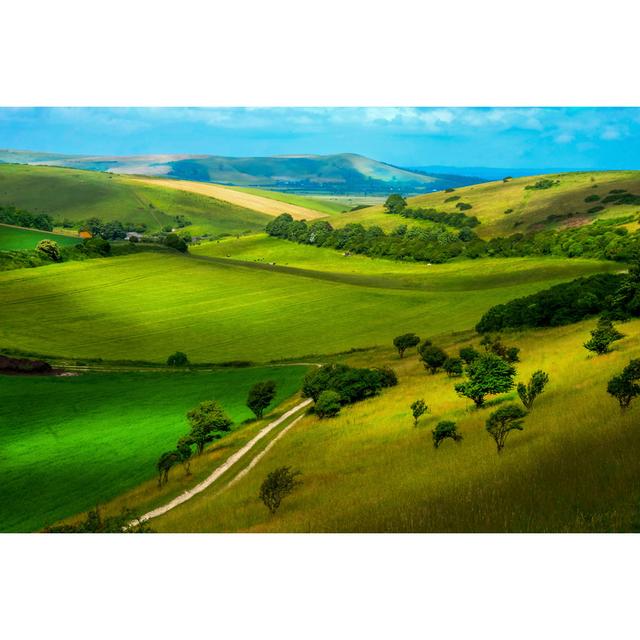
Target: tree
{"x": 488, "y": 374}
{"x": 328, "y": 404}
{"x": 445, "y": 429}
{"x": 503, "y": 421}
{"x": 208, "y": 421}
{"x": 178, "y": 359}
{"x": 261, "y": 396}
{"x": 165, "y": 463}
{"x": 602, "y": 337}
{"x": 533, "y": 389}
{"x": 184, "y": 450}
{"x": 49, "y": 249}
{"x": 453, "y": 367}
{"x": 433, "y": 357}
{"x": 277, "y": 486}
{"x": 94, "y": 522}
{"x": 405, "y": 341}
{"x": 395, "y": 204}
{"x": 418, "y": 407}
{"x": 468, "y": 354}
{"x": 174, "y": 241}
{"x": 624, "y": 387}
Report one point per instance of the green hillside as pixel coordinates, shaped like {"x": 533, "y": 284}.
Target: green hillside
{"x": 15, "y": 238}
{"x": 78, "y": 195}
{"x": 509, "y": 207}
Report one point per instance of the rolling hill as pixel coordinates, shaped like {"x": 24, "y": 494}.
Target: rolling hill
{"x": 345, "y": 173}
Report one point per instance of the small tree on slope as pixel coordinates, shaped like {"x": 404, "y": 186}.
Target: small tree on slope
{"x": 503, "y": 421}
{"x": 404, "y": 342}
{"x": 602, "y": 337}
{"x": 277, "y": 486}
{"x": 533, "y": 389}
{"x": 488, "y": 374}
{"x": 445, "y": 429}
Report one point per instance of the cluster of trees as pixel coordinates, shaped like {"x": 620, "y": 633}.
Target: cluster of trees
{"x": 395, "y": 204}
{"x": 615, "y": 295}
{"x": 22, "y": 218}
{"x": 334, "y": 385}
{"x": 95, "y": 522}
{"x": 545, "y": 183}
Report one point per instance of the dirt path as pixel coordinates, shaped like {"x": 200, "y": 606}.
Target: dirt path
{"x": 228, "y": 194}
{"x": 231, "y": 460}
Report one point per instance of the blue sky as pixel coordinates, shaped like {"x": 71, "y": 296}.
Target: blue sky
{"x": 585, "y": 138}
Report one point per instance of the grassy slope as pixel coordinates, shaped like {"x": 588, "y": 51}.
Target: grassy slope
{"x": 15, "y": 238}
{"x": 530, "y": 207}
{"x": 147, "y": 306}
{"x": 69, "y": 443}
{"x": 78, "y": 195}
{"x": 575, "y": 467}
{"x": 329, "y": 207}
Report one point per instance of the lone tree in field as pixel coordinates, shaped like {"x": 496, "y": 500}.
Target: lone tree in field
{"x": 602, "y": 337}
{"x": 445, "y": 429}
{"x": 503, "y": 421}
{"x": 260, "y": 397}
{"x": 184, "y": 451}
{"x": 49, "y": 249}
{"x": 528, "y": 393}
{"x": 418, "y": 408}
{"x": 178, "y": 359}
{"x": 395, "y": 204}
{"x": 488, "y": 374}
{"x": 208, "y": 422}
{"x": 432, "y": 357}
{"x": 404, "y": 342}
{"x": 624, "y": 387}
{"x": 453, "y": 367}
{"x": 277, "y": 486}
{"x": 328, "y": 404}
{"x": 165, "y": 463}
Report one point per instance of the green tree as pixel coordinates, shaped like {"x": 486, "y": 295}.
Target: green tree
{"x": 328, "y": 404}
{"x": 395, "y": 204}
{"x": 49, "y": 249}
{"x": 528, "y": 393}
{"x": 624, "y": 387}
{"x": 453, "y": 367}
{"x": 208, "y": 422}
{"x": 260, "y": 396}
{"x": 488, "y": 374}
{"x": 405, "y": 341}
{"x": 178, "y": 359}
{"x": 432, "y": 356}
{"x": 445, "y": 429}
{"x": 184, "y": 450}
{"x": 602, "y": 337}
{"x": 418, "y": 408}
{"x": 277, "y": 486}
{"x": 165, "y": 463}
{"x": 468, "y": 354}
{"x": 503, "y": 421}
{"x": 174, "y": 241}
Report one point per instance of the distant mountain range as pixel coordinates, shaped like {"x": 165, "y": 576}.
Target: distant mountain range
{"x": 344, "y": 173}
{"x": 488, "y": 174}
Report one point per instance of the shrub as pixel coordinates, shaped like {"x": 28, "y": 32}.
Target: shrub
{"x": 453, "y": 367}
{"x": 328, "y": 404}
{"x": 468, "y": 354}
{"x": 445, "y": 429}
{"x": 49, "y": 249}
{"x": 418, "y": 408}
{"x": 278, "y": 485}
{"x": 592, "y": 198}
{"x": 178, "y": 359}
{"x": 545, "y": 183}
{"x": 603, "y": 336}
{"x": 174, "y": 241}
{"x": 432, "y": 357}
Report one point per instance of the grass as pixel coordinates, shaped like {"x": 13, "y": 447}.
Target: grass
{"x": 146, "y": 306}
{"x": 530, "y": 208}
{"x": 16, "y": 238}
{"x": 78, "y": 195}
{"x": 575, "y": 467}
{"x": 69, "y": 443}
{"x": 329, "y": 207}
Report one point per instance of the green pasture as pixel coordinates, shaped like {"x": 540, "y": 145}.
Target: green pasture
{"x": 16, "y": 238}
{"x": 70, "y": 443}
{"x": 574, "y": 468}
{"x": 146, "y": 306}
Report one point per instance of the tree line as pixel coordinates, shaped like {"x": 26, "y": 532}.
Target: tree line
{"x": 22, "y": 218}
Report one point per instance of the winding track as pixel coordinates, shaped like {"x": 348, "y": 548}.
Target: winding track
{"x": 230, "y": 461}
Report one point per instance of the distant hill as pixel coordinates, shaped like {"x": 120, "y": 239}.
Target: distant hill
{"x": 344, "y": 173}
{"x": 485, "y": 174}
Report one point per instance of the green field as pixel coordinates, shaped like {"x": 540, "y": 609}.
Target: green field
{"x": 78, "y": 195}
{"x": 330, "y": 207}
{"x": 16, "y": 238}
{"x": 69, "y": 443}
{"x": 529, "y": 207}
{"x": 575, "y": 467}
{"x": 147, "y": 306}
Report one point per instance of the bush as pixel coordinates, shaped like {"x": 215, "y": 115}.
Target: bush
{"x": 174, "y": 241}
{"x": 545, "y": 183}
{"x": 432, "y": 357}
{"x": 624, "y": 387}
{"x": 602, "y": 337}
{"x": 445, "y": 429}
{"x": 178, "y": 359}
{"x": 277, "y": 486}
{"x": 328, "y": 404}
{"x": 453, "y": 367}
{"x": 468, "y": 354}
{"x": 49, "y": 249}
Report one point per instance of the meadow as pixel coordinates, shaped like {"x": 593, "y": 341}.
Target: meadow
{"x": 323, "y": 205}
{"x": 78, "y": 195}
{"x": 575, "y": 467}
{"x": 146, "y": 306}
{"x": 70, "y": 443}
{"x": 17, "y": 238}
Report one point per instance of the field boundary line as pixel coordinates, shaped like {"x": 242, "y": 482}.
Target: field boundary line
{"x": 211, "y": 478}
